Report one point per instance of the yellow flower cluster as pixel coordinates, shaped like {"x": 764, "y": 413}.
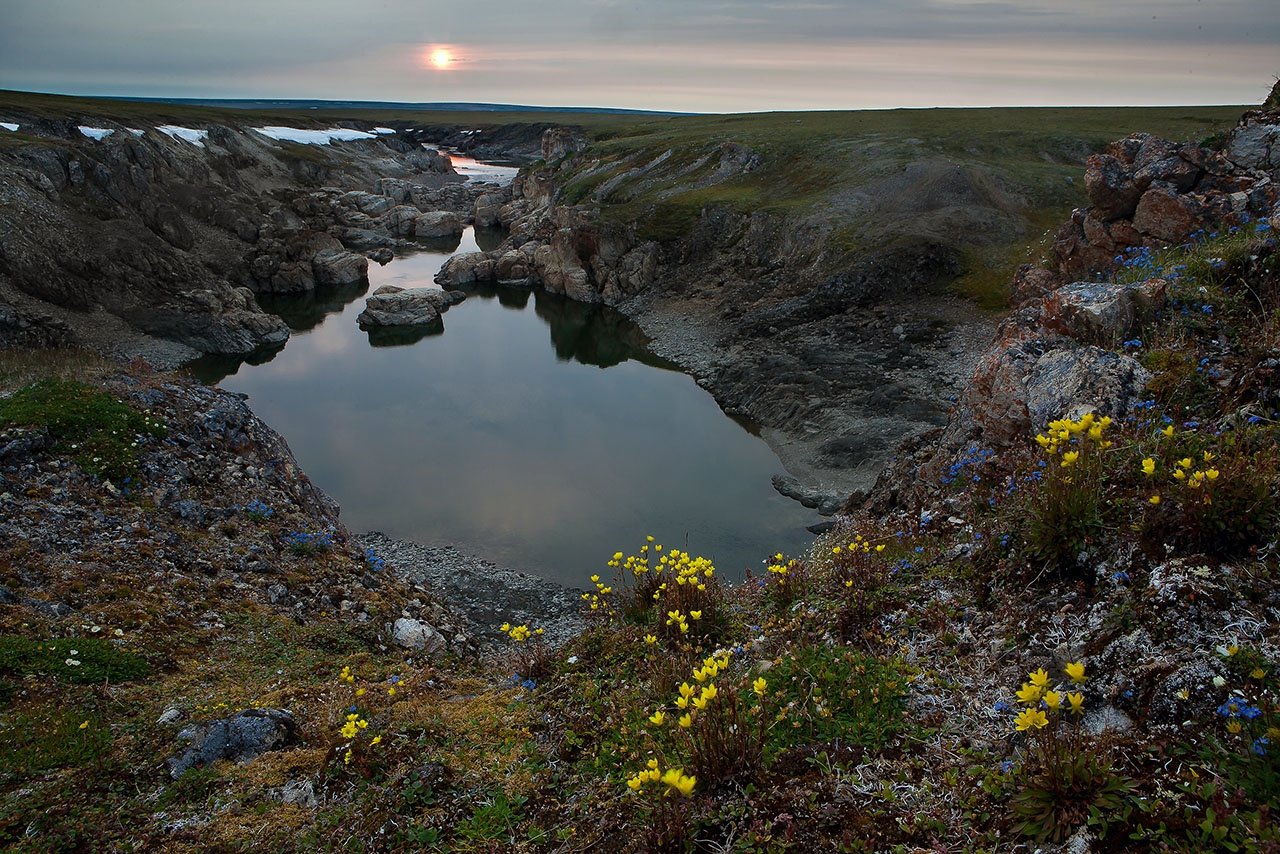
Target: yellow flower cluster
{"x": 1066, "y": 432}
{"x": 782, "y": 567}
{"x": 597, "y": 600}
{"x": 347, "y": 676}
{"x": 691, "y": 697}
{"x": 520, "y": 633}
{"x": 860, "y": 545}
{"x": 675, "y": 780}
{"x": 681, "y": 620}
{"x": 1039, "y": 698}
{"x": 352, "y": 727}
{"x": 1188, "y": 473}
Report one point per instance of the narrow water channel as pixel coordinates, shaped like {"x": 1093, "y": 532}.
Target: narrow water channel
{"x": 534, "y": 431}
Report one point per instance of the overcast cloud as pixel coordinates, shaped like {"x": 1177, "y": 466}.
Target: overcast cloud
{"x": 659, "y": 54}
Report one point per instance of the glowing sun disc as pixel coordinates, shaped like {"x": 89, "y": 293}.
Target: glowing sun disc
{"x": 441, "y": 58}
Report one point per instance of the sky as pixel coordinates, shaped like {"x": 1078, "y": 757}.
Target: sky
{"x": 683, "y": 55}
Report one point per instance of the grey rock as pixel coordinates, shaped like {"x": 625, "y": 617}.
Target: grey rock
{"x": 393, "y": 306}
{"x": 339, "y": 267}
{"x": 1107, "y": 719}
{"x": 416, "y": 634}
{"x": 239, "y": 738}
{"x": 1068, "y": 382}
{"x": 432, "y": 224}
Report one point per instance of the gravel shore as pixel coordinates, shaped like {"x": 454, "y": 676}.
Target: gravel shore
{"x": 484, "y": 594}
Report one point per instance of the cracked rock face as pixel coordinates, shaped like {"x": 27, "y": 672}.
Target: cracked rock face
{"x": 239, "y": 738}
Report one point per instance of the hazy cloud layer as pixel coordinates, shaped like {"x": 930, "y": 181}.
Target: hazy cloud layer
{"x": 673, "y": 54}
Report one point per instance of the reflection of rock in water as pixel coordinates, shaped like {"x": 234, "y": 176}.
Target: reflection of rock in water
{"x": 507, "y": 297}
{"x": 308, "y": 310}
{"x": 402, "y": 336}
{"x": 213, "y": 368}
{"x": 489, "y": 239}
{"x": 448, "y": 244}
{"x": 593, "y": 334}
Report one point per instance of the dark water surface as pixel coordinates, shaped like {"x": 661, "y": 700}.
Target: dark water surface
{"x": 535, "y": 431}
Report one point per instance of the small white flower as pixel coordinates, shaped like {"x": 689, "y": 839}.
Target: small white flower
{"x": 119, "y": 633}
{"x": 75, "y": 652}
{"x": 573, "y": 659}
{"x": 1219, "y": 682}
{"x": 96, "y": 629}
{"x": 72, "y": 662}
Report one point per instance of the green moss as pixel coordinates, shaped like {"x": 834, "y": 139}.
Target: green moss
{"x": 36, "y": 741}
{"x": 95, "y": 428}
{"x": 98, "y": 660}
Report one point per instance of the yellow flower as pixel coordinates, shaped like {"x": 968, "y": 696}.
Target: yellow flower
{"x": 651, "y": 639}
{"x": 84, "y": 725}
{"x": 677, "y": 781}
{"x": 759, "y": 686}
{"x": 687, "y": 690}
{"x": 1148, "y": 466}
{"x": 1184, "y": 463}
{"x": 391, "y": 692}
{"x": 633, "y": 783}
{"x": 686, "y": 720}
{"x": 377, "y": 739}
{"x": 1029, "y": 694}
{"x": 1075, "y": 671}
{"x": 1233, "y": 727}
{"x": 836, "y": 550}
{"x": 1069, "y": 457}
{"x": 1257, "y": 673}
{"x": 346, "y": 758}
{"x": 595, "y": 579}
{"x": 1030, "y": 719}
{"x": 649, "y": 539}
{"x": 360, "y": 692}
{"x": 1168, "y": 431}
{"x": 1155, "y": 499}
{"x": 1039, "y": 677}
{"x": 1052, "y": 699}
{"x": 1180, "y": 475}
{"x": 1212, "y": 474}
{"x": 880, "y": 547}
{"x": 695, "y": 615}
{"x": 1076, "y": 699}
{"x": 657, "y": 718}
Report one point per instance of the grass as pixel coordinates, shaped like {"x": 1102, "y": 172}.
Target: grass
{"x": 98, "y": 430}
{"x": 82, "y": 661}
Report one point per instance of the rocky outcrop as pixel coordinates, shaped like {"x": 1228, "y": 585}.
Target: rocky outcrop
{"x": 176, "y": 238}
{"x": 1056, "y": 354}
{"x": 1146, "y": 191}
{"x": 393, "y": 306}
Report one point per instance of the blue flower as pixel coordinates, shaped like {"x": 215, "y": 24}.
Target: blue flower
{"x": 1120, "y": 577}
{"x": 1006, "y": 766}
{"x": 1260, "y": 745}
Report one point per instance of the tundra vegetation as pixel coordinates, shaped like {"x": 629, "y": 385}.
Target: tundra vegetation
{"x": 1069, "y": 638}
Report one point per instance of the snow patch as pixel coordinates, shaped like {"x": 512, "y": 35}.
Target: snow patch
{"x": 96, "y": 133}
{"x": 384, "y": 130}
{"x": 314, "y": 137}
{"x": 191, "y": 135}
{"x": 135, "y": 131}
{"x": 8, "y": 126}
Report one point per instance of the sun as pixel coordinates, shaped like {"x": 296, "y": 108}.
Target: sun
{"x": 441, "y": 57}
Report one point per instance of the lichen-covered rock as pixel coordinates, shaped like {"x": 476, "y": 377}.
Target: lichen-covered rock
{"x": 465, "y": 269}
{"x": 239, "y": 738}
{"x": 1166, "y": 214}
{"x": 1101, "y": 312}
{"x": 433, "y": 224}
{"x": 339, "y": 267}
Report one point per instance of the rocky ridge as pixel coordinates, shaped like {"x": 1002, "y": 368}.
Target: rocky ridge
{"x": 176, "y": 237}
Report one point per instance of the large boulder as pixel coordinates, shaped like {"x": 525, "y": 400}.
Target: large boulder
{"x": 1166, "y": 214}
{"x": 431, "y": 224}
{"x": 393, "y": 306}
{"x": 239, "y": 738}
{"x": 486, "y": 213}
{"x": 1110, "y": 186}
{"x": 466, "y": 268}
{"x": 1101, "y": 312}
{"x": 339, "y": 267}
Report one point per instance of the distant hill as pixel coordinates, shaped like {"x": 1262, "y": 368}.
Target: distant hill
{"x": 304, "y": 104}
